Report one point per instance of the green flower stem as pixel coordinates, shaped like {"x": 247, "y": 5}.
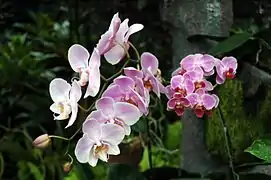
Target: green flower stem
{"x": 227, "y": 143}
{"x": 136, "y": 51}
{"x": 59, "y": 137}
{"x": 82, "y": 108}
{"x": 149, "y": 144}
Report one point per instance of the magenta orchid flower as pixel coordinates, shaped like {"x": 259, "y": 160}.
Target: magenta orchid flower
{"x": 206, "y": 62}
{"x": 65, "y": 99}
{"x": 121, "y": 113}
{"x": 226, "y": 69}
{"x": 197, "y": 77}
{"x": 89, "y": 69}
{"x": 123, "y": 90}
{"x": 98, "y": 142}
{"x": 178, "y": 105}
{"x": 181, "y": 87}
{"x": 114, "y": 43}
{"x": 202, "y": 102}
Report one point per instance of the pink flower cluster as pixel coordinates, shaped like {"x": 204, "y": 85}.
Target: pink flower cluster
{"x": 121, "y": 106}
{"x": 189, "y": 87}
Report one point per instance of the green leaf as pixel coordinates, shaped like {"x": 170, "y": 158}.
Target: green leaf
{"x": 35, "y": 171}
{"x": 231, "y": 43}
{"x": 173, "y": 135}
{"x": 124, "y": 172}
{"x": 140, "y": 126}
{"x": 261, "y": 148}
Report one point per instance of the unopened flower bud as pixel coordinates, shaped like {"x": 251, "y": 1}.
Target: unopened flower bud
{"x": 43, "y": 141}
{"x": 67, "y": 167}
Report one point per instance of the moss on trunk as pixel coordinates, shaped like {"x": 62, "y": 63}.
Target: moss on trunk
{"x": 242, "y": 128}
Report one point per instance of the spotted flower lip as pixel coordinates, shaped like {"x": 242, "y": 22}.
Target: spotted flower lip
{"x": 98, "y": 141}
{"x": 87, "y": 66}
{"x": 178, "y": 105}
{"x": 65, "y": 99}
{"x": 120, "y": 113}
{"x": 114, "y": 41}
{"x": 202, "y": 101}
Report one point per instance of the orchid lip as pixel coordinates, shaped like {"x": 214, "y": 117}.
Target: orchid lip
{"x": 100, "y": 148}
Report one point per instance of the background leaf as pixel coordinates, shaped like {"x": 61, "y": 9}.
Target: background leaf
{"x": 231, "y": 43}
{"x": 261, "y": 148}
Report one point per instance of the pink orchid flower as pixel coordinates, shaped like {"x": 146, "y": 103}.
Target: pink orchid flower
{"x": 65, "y": 99}
{"x": 206, "y": 62}
{"x": 178, "y": 105}
{"x": 123, "y": 90}
{"x": 107, "y": 39}
{"x": 149, "y": 64}
{"x": 226, "y": 69}
{"x": 114, "y": 43}
{"x": 181, "y": 87}
{"x": 89, "y": 69}
{"x": 121, "y": 113}
{"x": 98, "y": 142}
{"x": 197, "y": 77}
{"x": 137, "y": 76}
{"x": 202, "y": 102}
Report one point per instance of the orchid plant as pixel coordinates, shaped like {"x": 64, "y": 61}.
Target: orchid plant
{"x": 122, "y": 103}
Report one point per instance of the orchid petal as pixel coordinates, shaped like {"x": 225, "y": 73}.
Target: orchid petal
{"x": 149, "y": 61}
{"x": 115, "y": 23}
{"x": 124, "y": 82}
{"x": 229, "y": 62}
{"x": 78, "y": 57}
{"x": 176, "y": 81}
{"x": 113, "y": 150}
{"x": 171, "y": 103}
{"x": 133, "y": 72}
{"x": 83, "y": 149}
{"x": 127, "y": 129}
{"x": 59, "y": 90}
{"x": 208, "y": 62}
{"x": 208, "y": 101}
{"x": 123, "y": 29}
{"x": 128, "y": 113}
{"x": 74, "y": 111}
{"x": 133, "y": 29}
{"x": 75, "y": 92}
{"x": 106, "y": 105}
{"x": 220, "y": 80}
{"x": 193, "y": 98}
{"x": 112, "y": 133}
{"x": 187, "y": 63}
{"x": 115, "y": 54}
{"x": 92, "y": 128}
{"x": 98, "y": 115}
{"x": 113, "y": 91}
{"x": 92, "y": 159}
